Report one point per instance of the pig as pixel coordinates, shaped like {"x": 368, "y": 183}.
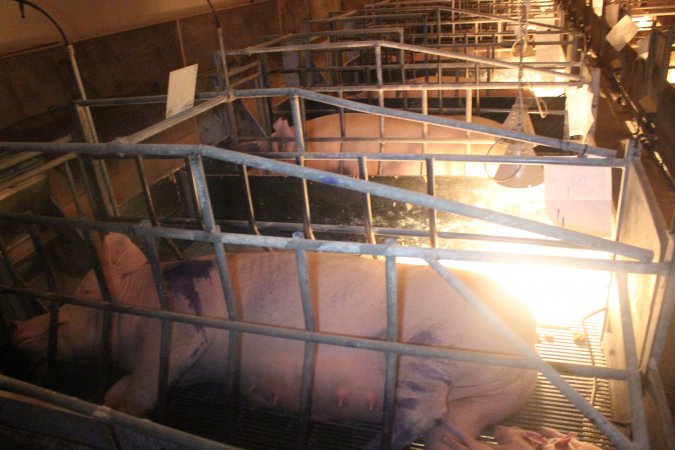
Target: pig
{"x": 348, "y": 295}
{"x": 359, "y": 125}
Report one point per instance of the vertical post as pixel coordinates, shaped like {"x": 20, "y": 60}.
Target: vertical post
{"x": 637, "y": 409}
{"x": 389, "y": 404}
{"x": 51, "y": 283}
{"x": 300, "y": 148}
{"x": 431, "y": 190}
{"x": 166, "y": 329}
{"x": 425, "y": 126}
{"x": 368, "y": 209}
{"x": 234, "y": 343}
{"x": 305, "y": 406}
{"x": 380, "y": 96}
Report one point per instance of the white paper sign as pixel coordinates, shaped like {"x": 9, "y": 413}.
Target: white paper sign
{"x": 622, "y": 33}
{"x": 579, "y": 107}
{"x": 580, "y": 198}
{"x": 181, "y": 92}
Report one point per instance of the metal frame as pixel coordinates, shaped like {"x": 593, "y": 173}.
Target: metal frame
{"x": 211, "y": 233}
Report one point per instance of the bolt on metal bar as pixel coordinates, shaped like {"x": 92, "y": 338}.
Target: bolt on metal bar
{"x": 306, "y": 386}
{"x": 637, "y": 407}
{"x": 621, "y": 442}
{"x": 165, "y": 330}
{"x": 392, "y": 359}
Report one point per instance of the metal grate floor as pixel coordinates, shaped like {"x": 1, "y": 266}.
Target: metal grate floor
{"x": 197, "y": 409}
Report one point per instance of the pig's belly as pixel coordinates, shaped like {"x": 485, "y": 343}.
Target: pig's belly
{"x": 348, "y": 383}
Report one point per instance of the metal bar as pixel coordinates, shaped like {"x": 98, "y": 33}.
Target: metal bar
{"x": 112, "y": 417}
{"x": 150, "y": 206}
{"x": 300, "y": 147}
{"x": 380, "y": 99}
{"x": 391, "y": 370}
{"x": 43, "y": 259}
{"x": 249, "y": 201}
{"x": 377, "y": 189}
{"x": 177, "y": 118}
{"x": 327, "y": 338}
{"x": 234, "y": 343}
{"x": 306, "y": 386}
{"x": 42, "y": 168}
{"x": 603, "y": 424}
{"x": 637, "y": 407}
{"x": 367, "y": 205}
{"x": 165, "y": 331}
{"x": 408, "y": 47}
{"x": 435, "y": 120}
{"x": 345, "y": 247}
{"x": 433, "y": 236}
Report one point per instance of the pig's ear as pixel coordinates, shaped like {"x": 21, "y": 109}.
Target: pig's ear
{"x": 120, "y": 256}
{"x": 563, "y": 443}
{"x": 282, "y": 129}
{"x": 535, "y": 439}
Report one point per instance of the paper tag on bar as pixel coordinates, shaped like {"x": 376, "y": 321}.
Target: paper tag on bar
{"x": 181, "y": 92}
{"x": 580, "y": 198}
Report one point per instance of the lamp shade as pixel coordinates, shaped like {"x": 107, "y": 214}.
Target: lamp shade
{"x": 518, "y": 175}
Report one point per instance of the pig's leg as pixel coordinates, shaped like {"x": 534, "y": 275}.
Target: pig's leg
{"x": 188, "y": 344}
{"x": 115, "y": 395}
{"x": 421, "y": 399}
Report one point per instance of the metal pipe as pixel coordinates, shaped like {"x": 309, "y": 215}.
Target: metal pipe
{"x": 391, "y": 359}
{"x": 346, "y": 247}
{"x": 367, "y": 205}
{"x": 432, "y": 212}
{"x": 391, "y": 192}
{"x": 300, "y": 147}
{"x": 51, "y": 284}
{"x": 165, "y": 330}
{"x": 408, "y": 47}
{"x": 306, "y": 385}
{"x": 435, "y": 120}
{"x": 327, "y": 338}
{"x": 208, "y": 223}
{"x": 637, "y": 407}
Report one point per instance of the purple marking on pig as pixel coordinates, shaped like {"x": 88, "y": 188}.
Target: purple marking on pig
{"x": 424, "y": 337}
{"x": 181, "y": 278}
{"x": 407, "y": 403}
{"x": 431, "y": 373}
{"x": 414, "y": 387}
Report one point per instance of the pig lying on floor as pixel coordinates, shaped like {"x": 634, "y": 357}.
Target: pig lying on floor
{"x": 359, "y": 125}
{"x": 349, "y": 299}
{"x": 514, "y": 438}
